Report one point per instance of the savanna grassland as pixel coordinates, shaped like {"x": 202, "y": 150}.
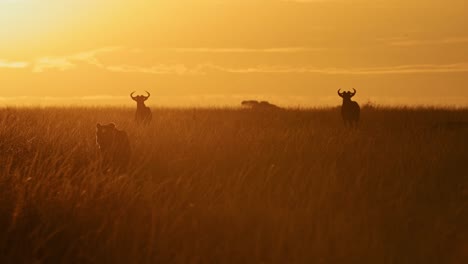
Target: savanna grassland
{"x": 235, "y": 186}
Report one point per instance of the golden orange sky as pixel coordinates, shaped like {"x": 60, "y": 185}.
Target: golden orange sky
{"x": 219, "y": 52}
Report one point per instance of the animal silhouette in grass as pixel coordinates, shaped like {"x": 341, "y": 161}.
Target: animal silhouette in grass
{"x": 350, "y": 110}
{"x": 256, "y": 105}
{"x": 143, "y": 113}
{"x": 114, "y": 147}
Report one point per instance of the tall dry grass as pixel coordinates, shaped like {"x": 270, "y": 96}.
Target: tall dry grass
{"x": 235, "y": 186}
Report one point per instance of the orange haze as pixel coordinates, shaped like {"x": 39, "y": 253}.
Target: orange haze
{"x": 219, "y": 52}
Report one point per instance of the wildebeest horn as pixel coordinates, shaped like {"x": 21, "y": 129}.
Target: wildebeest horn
{"x": 340, "y": 94}
{"x": 131, "y": 95}
{"x": 354, "y": 92}
{"x": 148, "y": 96}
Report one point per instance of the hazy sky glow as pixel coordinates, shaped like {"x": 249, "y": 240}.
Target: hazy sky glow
{"x": 212, "y": 52}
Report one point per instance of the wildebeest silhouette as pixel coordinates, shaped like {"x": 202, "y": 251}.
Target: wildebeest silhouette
{"x": 256, "y": 105}
{"x": 143, "y": 113}
{"x": 114, "y": 147}
{"x": 350, "y": 110}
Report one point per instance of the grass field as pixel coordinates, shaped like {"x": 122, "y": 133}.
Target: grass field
{"x": 235, "y": 186}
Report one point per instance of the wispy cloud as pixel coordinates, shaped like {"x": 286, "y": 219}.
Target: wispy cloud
{"x": 13, "y": 64}
{"x": 69, "y": 62}
{"x": 247, "y": 50}
{"x": 159, "y": 69}
{"x": 403, "y": 69}
{"x": 427, "y": 42}
{"x": 203, "y": 69}
{"x": 46, "y": 63}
